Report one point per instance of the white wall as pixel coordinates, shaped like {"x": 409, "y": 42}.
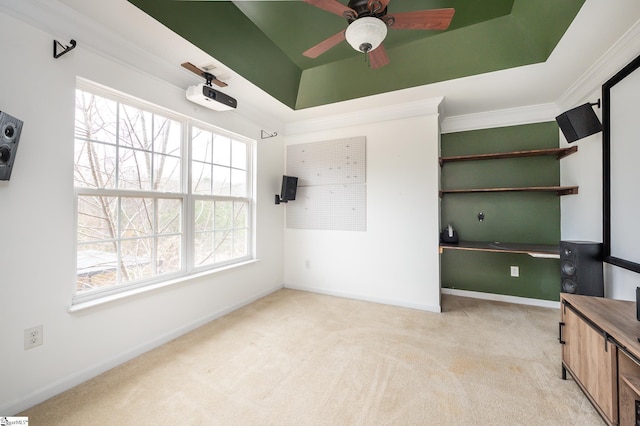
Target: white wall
{"x": 37, "y": 275}
{"x": 582, "y": 214}
{"x": 396, "y": 260}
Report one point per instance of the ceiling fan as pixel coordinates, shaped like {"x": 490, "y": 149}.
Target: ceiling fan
{"x": 368, "y": 21}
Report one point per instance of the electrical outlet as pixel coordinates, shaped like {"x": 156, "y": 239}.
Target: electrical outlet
{"x": 32, "y": 337}
{"x": 307, "y": 264}
{"x": 515, "y": 271}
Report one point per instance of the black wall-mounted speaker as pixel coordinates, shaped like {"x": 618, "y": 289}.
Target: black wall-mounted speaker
{"x": 579, "y": 122}
{"x": 10, "y": 129}
{"x": 289, "y": 188}
{"x": 581, "y": 268}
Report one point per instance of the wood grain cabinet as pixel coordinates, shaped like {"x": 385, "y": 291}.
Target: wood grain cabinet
{"x": 591, "y": 360}
{"x": 629, "y": 390}
{"x": 601, "y": 351}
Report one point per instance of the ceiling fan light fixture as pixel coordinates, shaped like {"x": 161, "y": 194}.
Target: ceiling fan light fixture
{"x": 365, "y": 34}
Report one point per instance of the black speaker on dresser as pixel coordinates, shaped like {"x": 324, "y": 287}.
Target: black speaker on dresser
{"x": 581, "y": 268}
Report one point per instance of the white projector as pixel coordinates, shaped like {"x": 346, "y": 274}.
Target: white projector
{"x": 209, "y": 97}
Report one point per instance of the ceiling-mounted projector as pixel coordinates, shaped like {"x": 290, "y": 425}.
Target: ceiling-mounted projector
{"x": 209, "y": 97}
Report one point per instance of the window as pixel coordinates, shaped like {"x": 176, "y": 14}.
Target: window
{"x": 158, "y": 195}
{"x": 219, "y": 181}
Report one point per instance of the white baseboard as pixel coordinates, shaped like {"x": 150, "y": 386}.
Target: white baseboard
{"x": 502, "y": 298}
{"x": 59, "y": 386}
{"x": 366, "y": 298}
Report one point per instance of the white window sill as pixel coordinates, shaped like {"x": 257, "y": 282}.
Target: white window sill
{"x": 99, "y": 301}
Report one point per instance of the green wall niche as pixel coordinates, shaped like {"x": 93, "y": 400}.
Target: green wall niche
{"x": 489, "y": 273}
{"x": 516, "y": 217}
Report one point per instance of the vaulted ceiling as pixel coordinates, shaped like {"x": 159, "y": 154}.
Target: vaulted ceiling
{"x": 263, "y": 41}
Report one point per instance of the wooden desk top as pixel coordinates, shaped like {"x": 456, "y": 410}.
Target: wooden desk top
{"x": 530, "y": 249}
{"x": 615, "y": 317}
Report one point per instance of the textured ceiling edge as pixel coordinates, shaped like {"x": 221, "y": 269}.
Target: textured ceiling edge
{"x": 362, "y": 116}
{"x": 623, "y": 51}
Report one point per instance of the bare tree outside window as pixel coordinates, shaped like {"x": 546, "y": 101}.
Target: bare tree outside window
{"x": 217, "y": 172}
{"x": 132, "y": 202}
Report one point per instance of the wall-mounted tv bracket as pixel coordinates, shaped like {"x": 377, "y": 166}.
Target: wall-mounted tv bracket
{"x": 65, "y": 49}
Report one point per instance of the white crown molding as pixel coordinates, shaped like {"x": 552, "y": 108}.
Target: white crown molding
{"x": 362, "y": 116}
{"x": 615, "y": 58}
{"x": 501, "y": 118}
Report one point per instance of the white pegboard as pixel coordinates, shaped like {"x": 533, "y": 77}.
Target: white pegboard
{"x": 332, "y": 191}
{"x": 341, "y": 161}
{"x": 329, "y": 207}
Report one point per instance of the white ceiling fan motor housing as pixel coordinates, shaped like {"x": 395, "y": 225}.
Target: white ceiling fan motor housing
{"x": 365, "y": 34}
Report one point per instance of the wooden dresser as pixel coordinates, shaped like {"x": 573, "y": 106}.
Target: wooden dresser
{"x": 601, "y": 351}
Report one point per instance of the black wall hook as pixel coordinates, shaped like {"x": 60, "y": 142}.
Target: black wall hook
{"x": 266, "y": 135}
{"x": 65, "y": 49}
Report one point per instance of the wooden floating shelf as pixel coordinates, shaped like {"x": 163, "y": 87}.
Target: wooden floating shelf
{"x": 558, "y": 152}
{"x": 535, "y": 250}
{"x": 559, "y": 190}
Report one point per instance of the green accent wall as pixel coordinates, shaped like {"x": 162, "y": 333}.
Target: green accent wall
{"x": 517, "y": 217}
{"x": 489, "y": 273}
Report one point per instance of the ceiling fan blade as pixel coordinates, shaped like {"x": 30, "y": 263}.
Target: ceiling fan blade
{"x": 325, "y": 45}
{"x": 192, "y": 68}
{"x": 333, "y": 6}
{"x": 207, "y": 76}
{"x": 378, "y": 57}
{"x": 218, "y": 83}
{"x": 377, "y": 5}
{"x": 436, "y": 19}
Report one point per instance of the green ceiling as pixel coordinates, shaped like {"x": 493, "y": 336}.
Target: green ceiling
{"x": 263, "y": 41}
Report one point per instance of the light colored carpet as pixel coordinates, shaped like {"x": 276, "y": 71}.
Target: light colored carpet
{"x": 297, "y": 358}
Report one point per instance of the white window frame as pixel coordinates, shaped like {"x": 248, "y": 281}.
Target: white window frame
{"x": 188, "y": 269}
